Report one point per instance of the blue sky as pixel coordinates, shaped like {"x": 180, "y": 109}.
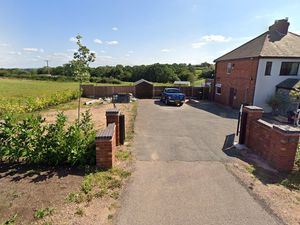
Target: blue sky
{"x": 133, "y": 32}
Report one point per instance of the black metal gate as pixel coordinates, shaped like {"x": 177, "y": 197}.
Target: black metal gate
{"x": 243, "y": 125}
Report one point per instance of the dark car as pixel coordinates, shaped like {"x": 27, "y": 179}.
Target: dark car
{"x": 172, "y": 96}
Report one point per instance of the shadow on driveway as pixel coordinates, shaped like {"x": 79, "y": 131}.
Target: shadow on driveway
{"x": 215, "y": 109}
{"x": 158, "y": 102}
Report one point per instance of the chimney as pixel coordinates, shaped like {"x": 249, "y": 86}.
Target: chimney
{"x": 281, "y": 26}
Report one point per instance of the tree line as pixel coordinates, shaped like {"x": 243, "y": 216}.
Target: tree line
{"x": 162, "y": 73}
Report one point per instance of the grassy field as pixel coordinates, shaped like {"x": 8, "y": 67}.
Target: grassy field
{"x": 25, "y": 96}
{"x": 17, "y": 88}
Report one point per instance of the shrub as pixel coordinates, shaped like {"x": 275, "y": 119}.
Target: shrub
{"x": 105, "y": 80}
{"x": 30, "y": 104}
{"x": 277, "y": 102}
{"x": 33, "y": 141}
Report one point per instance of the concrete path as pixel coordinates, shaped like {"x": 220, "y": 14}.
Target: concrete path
{"x": 180, "y": 178}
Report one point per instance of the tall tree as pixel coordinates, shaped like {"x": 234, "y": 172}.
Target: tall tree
{"x": 80, "y": 64}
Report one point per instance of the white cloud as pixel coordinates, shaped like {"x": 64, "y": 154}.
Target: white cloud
{"x": 30, "y": 49}
{"x": 73, "y": 39}
{"x": 33, "y": 50}
{"x": 198, "y": 44}
{"x": 115, "y": 29}
{"x": 215, "y": 38}
{"x": 127, "y": 55}
{"x": 102, "y": 51}
{"x": 166, "y": 50}
{"x": 130, "y": 52}
{"x": 209, "y": 39}
{"x": 112, "y": 42}
{"x": 14, "y": 53}
{"x": 98, "y": 41}
{"x": 3, "y": 45}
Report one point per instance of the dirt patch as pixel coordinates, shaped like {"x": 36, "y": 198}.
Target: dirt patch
{"x": 264, "y": 184}
{"x": 97, "y": 111}
{"x": 26, "y": 189}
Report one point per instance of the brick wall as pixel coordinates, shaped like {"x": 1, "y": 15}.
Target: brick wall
{"x": 242, "y": 78}
{"x": 275, "y": 143}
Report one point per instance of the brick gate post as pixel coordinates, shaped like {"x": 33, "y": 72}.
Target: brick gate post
{"x": 106, "y": 147}
{"x": 254, "y": 113}
{"x": 113, "y": 116}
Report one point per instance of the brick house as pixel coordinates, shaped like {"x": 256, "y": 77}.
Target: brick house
{"x": 250, "y": 73}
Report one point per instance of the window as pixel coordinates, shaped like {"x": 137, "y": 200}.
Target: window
{"x": 268, "y": 69}
{"x": 218, "y": 89}
{"x": 230, "y": 67}
{"x": 289, "y": 69}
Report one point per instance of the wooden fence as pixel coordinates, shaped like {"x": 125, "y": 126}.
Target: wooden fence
{"x": 108, "y": 91}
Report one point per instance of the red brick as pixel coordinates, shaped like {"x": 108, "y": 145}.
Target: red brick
{"x": 242, "y": 78}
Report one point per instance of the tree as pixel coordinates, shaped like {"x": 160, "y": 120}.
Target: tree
{"x": 80, "y": 65}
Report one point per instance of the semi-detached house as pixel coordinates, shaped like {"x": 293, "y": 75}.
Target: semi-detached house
{"x": 256, "y": 70}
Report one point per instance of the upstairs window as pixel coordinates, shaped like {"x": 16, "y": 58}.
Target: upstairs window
{"x": 230, "y": 67}
{"x": 289, "y": 69}
{"x": 268, "y": 69}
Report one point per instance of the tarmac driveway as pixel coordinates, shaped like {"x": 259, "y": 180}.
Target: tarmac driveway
{"x": 180, "y": 176}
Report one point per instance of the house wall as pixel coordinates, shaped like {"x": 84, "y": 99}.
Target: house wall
{"x": 242, "y": 79}
{"x": 266, "y": 85}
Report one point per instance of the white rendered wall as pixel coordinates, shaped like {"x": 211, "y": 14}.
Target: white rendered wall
{"x": 266, "y": 85}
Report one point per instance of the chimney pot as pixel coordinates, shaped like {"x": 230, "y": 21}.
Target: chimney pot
{"x": 281, "y": 26}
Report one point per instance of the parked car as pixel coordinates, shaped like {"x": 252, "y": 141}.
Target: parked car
{"x": 172, "y": 96}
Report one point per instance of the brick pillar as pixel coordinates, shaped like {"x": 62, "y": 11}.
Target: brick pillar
{"x": 106, "y": 147}
{"x": 284, "y": 144}
{"x": 254, "y": 113}
{"x": 113, "y": 116}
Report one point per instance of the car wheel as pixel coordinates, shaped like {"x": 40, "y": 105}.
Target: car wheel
{"x": 166, "y": 101}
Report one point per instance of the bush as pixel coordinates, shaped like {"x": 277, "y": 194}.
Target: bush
{"x": 105, "y": 80}
{"x": 277, "y": 102}
{"x": 38, "y": 77}
{"x": 33, "y": 141}
{"x": 31, "y": 104}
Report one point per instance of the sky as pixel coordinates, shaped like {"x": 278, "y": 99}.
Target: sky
{"x": 133, "y": 32}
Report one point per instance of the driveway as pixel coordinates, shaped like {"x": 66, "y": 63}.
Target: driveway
{"x": 180, "y": 176}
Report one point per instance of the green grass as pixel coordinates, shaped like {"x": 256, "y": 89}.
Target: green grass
{"x": 11, "y": 220}
{"x": 17, "y": 88}
{"x": 41, "y": 213}
{"x": 131, "y": 84}
{"x": 98, "y": 184}
{"x": 199, "y": 82}
{"x": 123, "y": 155}
{"x": 250, "y": 168}
{"x": 108, "y": 84}
{"x": 26, "y": 96}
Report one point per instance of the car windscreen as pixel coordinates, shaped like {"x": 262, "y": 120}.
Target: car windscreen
{"x": 172, "y": 90}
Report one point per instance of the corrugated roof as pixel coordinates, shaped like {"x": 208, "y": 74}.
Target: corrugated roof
{"x": 268, "y": 44}
{"x": 289, "y": 83}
